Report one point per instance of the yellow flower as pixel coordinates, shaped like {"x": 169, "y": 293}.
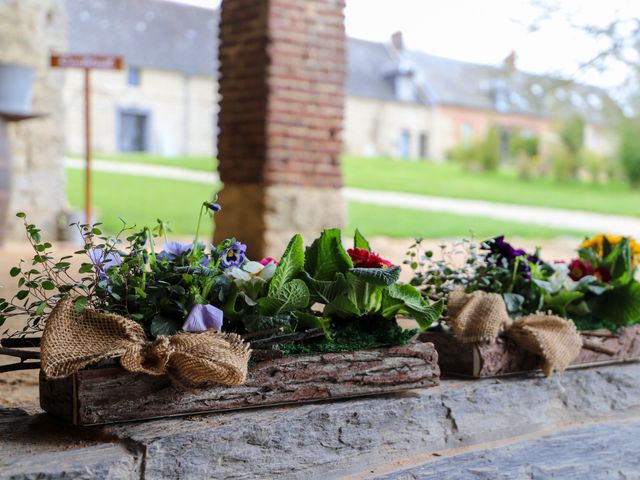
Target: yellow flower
{"x": 596, "y": 242}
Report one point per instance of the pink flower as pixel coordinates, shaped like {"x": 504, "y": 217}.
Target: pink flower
{"x": 267, "y": 261}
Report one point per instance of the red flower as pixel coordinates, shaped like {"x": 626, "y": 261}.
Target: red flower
{"x": 366, "y": 259}
{"x": 602, "y": 274}
{"x": 580, "y": 268}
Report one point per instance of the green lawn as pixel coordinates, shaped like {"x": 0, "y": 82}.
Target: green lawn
{"x": 140, "y": 201}
{"x": 206, "y": 164}
{"x": 396, "y": 222}
{"x": 448, "y": 180}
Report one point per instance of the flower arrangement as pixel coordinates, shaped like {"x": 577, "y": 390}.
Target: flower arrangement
{"x": 351, "y": 296}
{"x": 597, "y": 289}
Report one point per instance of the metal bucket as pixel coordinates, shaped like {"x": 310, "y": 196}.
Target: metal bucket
{"x": 16, "y": 89}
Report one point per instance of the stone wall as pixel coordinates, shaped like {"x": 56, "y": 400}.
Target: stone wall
{"x": 29, "y": 31}
{"x": 583, "y": 424}
{"x": 181, "y": 110}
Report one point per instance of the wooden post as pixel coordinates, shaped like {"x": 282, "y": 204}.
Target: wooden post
{"x": 87, "y": 63}
{"x": 87, "y": 145}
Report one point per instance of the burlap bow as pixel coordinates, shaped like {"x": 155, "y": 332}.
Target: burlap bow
{"x": 482, "y": 316}
{"x": 73, "y": 340}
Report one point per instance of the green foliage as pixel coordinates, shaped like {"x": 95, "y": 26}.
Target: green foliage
{"x": 572, "y": 134}
{"x": 597, "y": 290}
{"x": 629, "y": 151}
{"x": 490, "y": 150}
{"x": 377, "y": 276}
{"x": 348, "y": 292}
{"x": 255, "y": 323}
{"x": 326, "y": 256}
{"x": 406, "y": 300}
{"x": 293, "y": 295}
{"x": 483, "y": 155}
{"x": 527, "y": 144}
{"x": 290, "y": 266}
{"x": 359, "y": 334}
{"x": 359, "y": 241}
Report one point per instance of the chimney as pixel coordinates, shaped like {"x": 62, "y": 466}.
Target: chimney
{"x": 397, "y": 42}
{"x": 509, "y": 63}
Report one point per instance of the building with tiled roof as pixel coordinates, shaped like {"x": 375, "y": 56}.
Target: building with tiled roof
{"x": 399, "y": 102}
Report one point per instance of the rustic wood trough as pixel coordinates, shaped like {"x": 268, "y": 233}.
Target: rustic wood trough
{"x": 504, "y": 356}
{"x": 108, "y": 394}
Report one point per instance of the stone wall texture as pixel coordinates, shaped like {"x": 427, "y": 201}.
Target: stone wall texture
{"x": 181, "y": 110}
{"x": 29, "y": 31}
{"x": 583, "y": 424}
{"x": 282, "y": 75}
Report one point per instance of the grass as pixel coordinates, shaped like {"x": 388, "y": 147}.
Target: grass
{"x": 396, "y": 222}
{"x": 206, "y": 164}
{"x": 449, "y": 180}
{"x": 141, "y": 200}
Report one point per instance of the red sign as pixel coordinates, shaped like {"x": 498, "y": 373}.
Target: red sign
{"x": 102, "y": 62}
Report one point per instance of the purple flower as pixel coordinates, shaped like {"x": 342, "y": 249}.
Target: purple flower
{"x": 234, "y": 255}
{"x": 203, "y": 317}
{"x": 214, "y": 207}
{"x": 103, "y": 260}
{"x": 504, "y": 249}
{"x": 173, "y": 250}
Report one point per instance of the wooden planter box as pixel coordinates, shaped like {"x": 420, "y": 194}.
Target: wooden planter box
{"x": 96, "y": 396}
{"x": 504, "y": 357}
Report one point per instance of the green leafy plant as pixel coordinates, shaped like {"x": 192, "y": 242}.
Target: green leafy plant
{"x": 194, "y": 287}
{"x": 358, "y": 290}
{"x": 598, "y": 289}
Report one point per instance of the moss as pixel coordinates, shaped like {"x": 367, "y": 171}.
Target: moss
{"x": 354, "y": 334}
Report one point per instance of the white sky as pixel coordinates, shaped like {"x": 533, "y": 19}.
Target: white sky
{"x": 485, "y": 31}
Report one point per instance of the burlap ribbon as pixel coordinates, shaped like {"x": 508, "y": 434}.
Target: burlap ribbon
{"x": 482, "y": 316}
{"x": 73, "y": 340}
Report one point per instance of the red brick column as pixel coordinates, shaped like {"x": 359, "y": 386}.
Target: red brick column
{"x": 282, "y": 75}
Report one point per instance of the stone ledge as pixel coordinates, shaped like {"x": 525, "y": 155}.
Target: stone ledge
{"x": 590, "y": 452}
{"x": 329, "y": 440}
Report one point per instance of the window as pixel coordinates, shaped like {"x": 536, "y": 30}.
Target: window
{"x": 133, "y": 76}
{"x": 404, "y": 144}
{"x": 405, "y": 89}
{"x": 423, "y": 145}
{"x": 466, "y": 133}
{"x": 133, "y": 131}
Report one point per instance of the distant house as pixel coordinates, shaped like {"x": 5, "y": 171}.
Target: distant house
{"x": 409, "y": 104}
{"x": 165, "y": 101}
{"x": 400, "y": 102}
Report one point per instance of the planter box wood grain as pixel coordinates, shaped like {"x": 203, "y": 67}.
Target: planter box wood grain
{"x": 95, "y": 396}
{"x": 504, "y": 357}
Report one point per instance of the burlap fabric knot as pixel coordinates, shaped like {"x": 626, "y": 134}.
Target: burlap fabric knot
{"x": 482, "y": 316}
{"x": 73, "y": 340}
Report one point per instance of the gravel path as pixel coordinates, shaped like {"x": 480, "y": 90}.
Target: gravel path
{"x": 549, "y": 217}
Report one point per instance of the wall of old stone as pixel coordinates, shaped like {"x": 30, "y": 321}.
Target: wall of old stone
{"x": 181, "y": 110}
{"x": 372, "y": 127}
{"x": 29, "y": 31}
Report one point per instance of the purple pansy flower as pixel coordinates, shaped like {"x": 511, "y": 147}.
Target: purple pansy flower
{"x": 214, "y": 207}
{"x": 102, "y": 261}
{"x": 504, "y": 249}
{"x": 203, "y": 317}
{"x": 234, "y": 255}
{"x": 173, "y": 250}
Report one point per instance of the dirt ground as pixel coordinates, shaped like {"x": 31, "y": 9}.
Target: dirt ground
{"x": 20, "y": 389}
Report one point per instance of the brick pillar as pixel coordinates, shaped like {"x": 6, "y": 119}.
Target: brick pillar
{"x": 282, "y": 75}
